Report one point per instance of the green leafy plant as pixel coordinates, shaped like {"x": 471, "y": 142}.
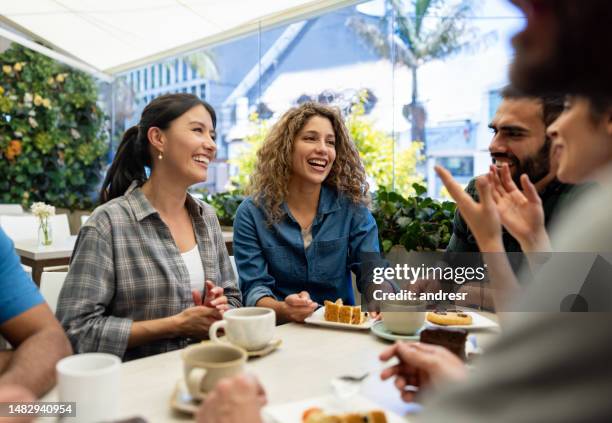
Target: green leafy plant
{"x": 226, "y": 204}
{"x": 417, "y": 222}
{"x": 52, "y": 133}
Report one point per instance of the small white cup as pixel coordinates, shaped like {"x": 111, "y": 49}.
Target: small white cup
{"x": 403, "y": 318}
{"x": 251, "y": 328}
{"x": 92, "y": 381}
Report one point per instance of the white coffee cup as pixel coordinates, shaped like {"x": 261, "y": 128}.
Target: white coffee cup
{"x": 404, "y": 318}
{"x": 250, "y": 328}
{"x": 92, "y": 381}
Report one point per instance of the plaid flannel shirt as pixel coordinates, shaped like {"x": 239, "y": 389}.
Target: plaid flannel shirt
{"x": 126, "y": 267}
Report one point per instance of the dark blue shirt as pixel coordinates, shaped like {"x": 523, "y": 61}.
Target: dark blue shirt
{"x": 272, "y": 261}
{"x": 18, "y": 293}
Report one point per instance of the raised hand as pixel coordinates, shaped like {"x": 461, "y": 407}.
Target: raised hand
{"x": 520, "y": 212}
{"x": 482, "y": 218}
{"x": 213, "y": 297}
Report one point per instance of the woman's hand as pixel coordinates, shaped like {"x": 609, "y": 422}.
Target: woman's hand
{"x": 421, "y": 365}
{"x": 521, "y": 213}
{"x": 194, "y": 322}
{"x": 482, "y": 218}
{"x": 213, "y": 297}
{"x": 298, "y": 307}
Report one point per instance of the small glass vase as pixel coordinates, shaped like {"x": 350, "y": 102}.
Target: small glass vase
{"x": 45, "y": 233}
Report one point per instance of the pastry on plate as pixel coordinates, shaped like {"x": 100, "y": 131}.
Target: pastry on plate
{"x": 449, "y": 317}
{"x": 340, "y": 313}
{"x": 316, "y": 415}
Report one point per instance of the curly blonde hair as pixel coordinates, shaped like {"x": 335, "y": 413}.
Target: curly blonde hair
{"x": 269, "y": 183}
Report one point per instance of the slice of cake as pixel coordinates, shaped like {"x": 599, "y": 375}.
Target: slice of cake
{"x": 332, "y": 311}
{"x": 357, "y": 317}
{"x": 452, "y": 339}
{"x": 346, "y": 312}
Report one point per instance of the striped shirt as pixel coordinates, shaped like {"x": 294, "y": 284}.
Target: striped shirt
{"x": 126, "y": 267}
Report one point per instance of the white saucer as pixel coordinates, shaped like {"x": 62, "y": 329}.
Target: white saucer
{"x": 272, "y": 345}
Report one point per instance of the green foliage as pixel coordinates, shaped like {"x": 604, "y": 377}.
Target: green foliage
{"x": 247, "y": 155}
{"x": 225, "y": 204}
{"x": 376, "y": 149}
{"x": 417, "y": 222}
{"x": 52, "y": 138}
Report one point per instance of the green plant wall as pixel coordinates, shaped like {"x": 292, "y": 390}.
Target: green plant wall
{"x": 53, "y": 139}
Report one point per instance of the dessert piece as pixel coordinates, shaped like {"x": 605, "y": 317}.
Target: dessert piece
{"x": 316, "y": 415}
{"x": 376, "y": 416}
{"x": 357, "y": 317}
{"x": 452, "y": 339}
{"x": 345, "y": 314}
{"x": 332, "y": 311}
{"x": 449, "y": 317}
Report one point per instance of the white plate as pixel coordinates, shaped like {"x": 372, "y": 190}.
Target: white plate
{"x": 292, "y": 412}
{"x": 478, "y": 322}
{"x": 318, "y": 318}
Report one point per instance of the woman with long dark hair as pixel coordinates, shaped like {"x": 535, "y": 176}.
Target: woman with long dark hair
{"x": 150, "y": 270}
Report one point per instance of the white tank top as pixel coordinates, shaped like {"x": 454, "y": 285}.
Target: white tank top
{"x": 193, "y": 262}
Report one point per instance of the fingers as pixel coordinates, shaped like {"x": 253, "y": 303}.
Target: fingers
{"x": 389, "y": 352}
{"x": 219, "y": 301}
{"x": 530, "y": 190}
{"x": 484, "y": 191}
{"x": 304, "y": 295}
{"x": 197, "y": 297}
{"x": 506, "y": 178}
{"x": 294, "y": 300}
{"x": 454, "y": 189}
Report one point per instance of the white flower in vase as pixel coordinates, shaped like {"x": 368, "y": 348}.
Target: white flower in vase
{"x": 43, "y": 212}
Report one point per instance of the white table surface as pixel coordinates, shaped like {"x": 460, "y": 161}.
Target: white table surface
{"x": 300, "y": 369}
{"x": 32, "y": 250}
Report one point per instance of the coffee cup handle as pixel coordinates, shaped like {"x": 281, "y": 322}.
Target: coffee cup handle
{"x": 194, "y": 379}
{"x": 214, "y": 328}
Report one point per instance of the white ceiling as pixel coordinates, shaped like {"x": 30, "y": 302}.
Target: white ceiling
{"x": 112, "y": 36}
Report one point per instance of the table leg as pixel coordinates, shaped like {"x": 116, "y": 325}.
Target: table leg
{"x": 37, "y": 270}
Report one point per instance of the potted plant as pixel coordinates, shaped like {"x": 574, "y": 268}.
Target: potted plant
{"x": 226, "y": 204}
{"x": 416, "y": 223}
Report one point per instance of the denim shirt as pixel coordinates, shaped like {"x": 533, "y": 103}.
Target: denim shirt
{"x": 272, "y": 261}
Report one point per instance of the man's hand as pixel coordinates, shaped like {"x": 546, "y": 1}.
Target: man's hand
{"x": 234, "y": 400}
{"x": 521, "y": 213}
{"x": 298, "y": 307}
{"x": 482, "y": 218}
{"x": 421, "y": 365}
{"x": 15, "y": 393}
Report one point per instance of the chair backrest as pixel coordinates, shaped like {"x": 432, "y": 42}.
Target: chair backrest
{"x": 12, "y": 209}
{"x": 50, "y": 287}
{"x": 233, "y": 261}
{"x": 20, "y": 227}
{"x": 26, "y": 226}
{"x": 61, "y": 227}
